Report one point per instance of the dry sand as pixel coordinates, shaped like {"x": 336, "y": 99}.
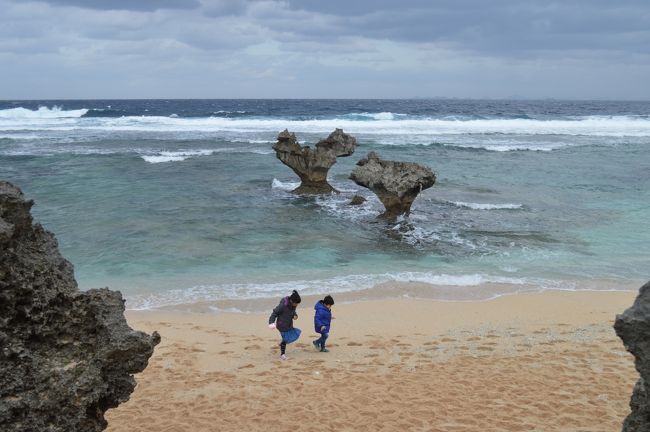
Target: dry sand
{"x": 526, "y": 362}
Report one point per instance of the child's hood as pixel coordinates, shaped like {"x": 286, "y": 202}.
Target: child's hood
{"x": 320, "y": 305}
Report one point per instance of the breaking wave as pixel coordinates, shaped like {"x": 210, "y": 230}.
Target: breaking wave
{"x": 339, "y": 284}
{"x": 368, "y": 124}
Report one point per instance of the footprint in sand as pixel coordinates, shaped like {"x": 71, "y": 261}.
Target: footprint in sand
{"x": 353, "y": 344}
{"x": 485, "y": 348}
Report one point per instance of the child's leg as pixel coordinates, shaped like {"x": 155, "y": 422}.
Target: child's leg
{"x": 283, "y": 347}
{"x": 323, "y": 338}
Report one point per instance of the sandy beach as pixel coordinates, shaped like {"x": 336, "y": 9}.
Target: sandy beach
{"x": 526, "y": 362}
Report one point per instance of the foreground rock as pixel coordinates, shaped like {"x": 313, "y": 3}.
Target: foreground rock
{"x": 633, "y": 327}
{"x": 312, "y": 165}
{"x": 397, "y": 184}
{"x": 65, "y": 356}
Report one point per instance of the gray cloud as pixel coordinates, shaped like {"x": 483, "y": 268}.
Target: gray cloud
{"x": 312, "y": 48}
{"x": 135, "y": 5}
{"x": 503, "y": 26}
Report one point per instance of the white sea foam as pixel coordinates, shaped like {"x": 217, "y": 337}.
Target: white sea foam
{"x": 41, "y": 113}
{"x": 377, "y": 116}
{"x": 169, "y": 156}
{"x": 479, "y": 206}
{"x": 257, "y": 141}
{"x": 339, "y": 206}
{"x": 19, "y": 137}
{"x": 254, "y": 151}
{"x": 229, "y": 112}
{"x": 59, "y": 147}
{"x": 288, "y": 186}
{"x": 337, "y": 284}
{"x": 382, "y": 124}
{"x": 162, "y": 159}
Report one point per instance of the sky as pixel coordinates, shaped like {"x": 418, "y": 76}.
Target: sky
{"x": 91, "y": 49}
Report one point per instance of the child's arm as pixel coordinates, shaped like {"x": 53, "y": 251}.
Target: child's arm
{"x": 318, "y": 320}
{"x": 274, "y": 315}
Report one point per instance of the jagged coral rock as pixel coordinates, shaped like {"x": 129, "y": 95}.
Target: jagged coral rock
{"x": 633, "y": 327}
{"x": 396, "y": 184}
{"x": 66, "y": 356}
{"x": 312, "y": 165}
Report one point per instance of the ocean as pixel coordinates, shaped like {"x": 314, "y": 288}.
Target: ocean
{"x": 181, "y": 201}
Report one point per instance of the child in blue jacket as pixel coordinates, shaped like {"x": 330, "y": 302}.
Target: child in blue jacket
{"x": 322, "y": 320}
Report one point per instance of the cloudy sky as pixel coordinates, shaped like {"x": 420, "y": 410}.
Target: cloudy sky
{"x": 569, "y": 49}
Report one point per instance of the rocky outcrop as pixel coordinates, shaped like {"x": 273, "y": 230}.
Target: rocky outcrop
{"x": 357, "y": 200}
{"x": 312, "y": 165}
{"x": 633, "y": 327}
{"x": 397, "y": 184}
{"x": 66, "y": 356}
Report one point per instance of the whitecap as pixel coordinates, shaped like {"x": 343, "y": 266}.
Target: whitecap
{"x": 41, "y": 113}
{"x": 409, "y": 131}
{"x": 288, "y": 186}
{"x": 161, "y": 159}
{"x": 171, "y": 156}
{"x": 486, "y": 206}
{"x": 385, "y": 115}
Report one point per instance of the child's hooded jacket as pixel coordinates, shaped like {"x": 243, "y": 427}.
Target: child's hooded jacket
{"x": 322, "y": 317}
{"x": 284, "y": 314}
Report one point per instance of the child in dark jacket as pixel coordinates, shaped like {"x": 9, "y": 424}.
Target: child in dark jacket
{"x": 282, "y": 318}
{"x": 322, "y": 320}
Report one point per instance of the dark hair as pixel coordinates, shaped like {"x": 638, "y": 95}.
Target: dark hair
{"x": 295, "y": 297}
{"x": 328, "y": 300}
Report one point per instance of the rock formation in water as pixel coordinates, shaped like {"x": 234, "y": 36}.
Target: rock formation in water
{"x": 312, "y": 165}
{"x": 66, "y": 356}
{"x": 357, "y": 200}
{"x": 397, "y": 184}
{"x": 633, "y": 327}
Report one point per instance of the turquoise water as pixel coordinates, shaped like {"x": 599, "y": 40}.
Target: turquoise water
{"x": 176, "y": 201}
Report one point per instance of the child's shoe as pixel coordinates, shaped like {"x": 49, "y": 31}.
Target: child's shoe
{"x": 316, "y": 344}
{"x": 324, "y": 350}
{"x": 283, "y": 357}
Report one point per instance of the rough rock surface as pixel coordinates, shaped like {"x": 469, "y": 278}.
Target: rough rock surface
{"x": 66, "y": 356}
{"x": 357, "y": 200}
{"x": 312, "y": 165}
{"x": 397, "y": 184}
{"x": 633, "y": 327}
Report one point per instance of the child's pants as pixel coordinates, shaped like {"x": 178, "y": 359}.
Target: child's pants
{"x": 321, "y": 341}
